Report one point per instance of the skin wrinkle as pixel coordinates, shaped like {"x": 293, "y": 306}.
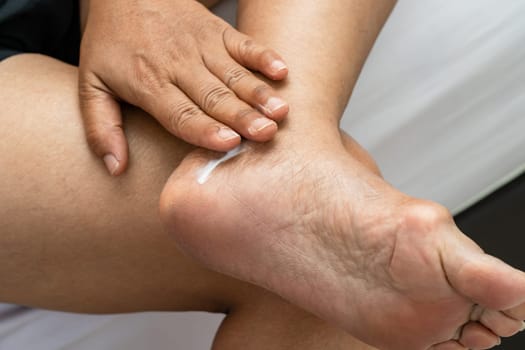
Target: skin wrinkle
{"x": 293, "y": 233}
{"x": 302, "y": 273}
{"x": 109, "y": 224}
{"x": 316, "y": 207}
{"x": 233, "y": 76}
{"x": 211, "y": 97}
{"x": 326, "y": 239}
{"x": 181, "y": 115}
{"x": 182, "y": 36}
{"x": 102, "y": 88}
{"x": 392, "y": 255}
{"x": 146, "y": 73}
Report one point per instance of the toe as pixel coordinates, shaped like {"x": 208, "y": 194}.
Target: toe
{"x": 449, "y": 345}
{"x": 517, "y": 312}
{"x": 475, "y": 336}
{"x": 482, "y": 278}
{"x": 500, "y": 324}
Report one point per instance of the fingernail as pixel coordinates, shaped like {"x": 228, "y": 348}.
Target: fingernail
{"x": 260, "y": 124}
{"x": 227, "y": 134}
{"x": 278, "y": 66}
{"x": 111, "y": 163}
{"x": 499, "y": 341}
{"x": 522, "y": 327}
{"x": 274, "y": 104}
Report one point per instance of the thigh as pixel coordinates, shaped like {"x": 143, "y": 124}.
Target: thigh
{"x": 72, "y": 237}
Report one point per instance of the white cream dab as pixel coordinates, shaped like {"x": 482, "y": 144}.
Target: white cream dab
{"x": 204, "y": 173}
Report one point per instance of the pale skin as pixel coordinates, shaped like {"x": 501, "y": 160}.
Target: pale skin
{"x": 78, "y": 226}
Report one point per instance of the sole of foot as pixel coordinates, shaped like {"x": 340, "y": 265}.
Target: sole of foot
{"x": 315, "y": 224}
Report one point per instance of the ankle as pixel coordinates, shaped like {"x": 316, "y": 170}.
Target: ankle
{"x": 303, "y": 129}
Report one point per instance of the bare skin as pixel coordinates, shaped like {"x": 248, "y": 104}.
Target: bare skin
{"x": 58, "y": 246}
{"x": 307, "y": 221}
{"x": 182, "y": 64}
{"x": 68, "y": 229}
{"x": 74, "y": 239}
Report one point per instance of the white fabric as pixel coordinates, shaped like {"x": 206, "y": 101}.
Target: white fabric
{"x": 26, "y": 329}
{"x": 441, "y": 101}
{"x": 440, "y": 105}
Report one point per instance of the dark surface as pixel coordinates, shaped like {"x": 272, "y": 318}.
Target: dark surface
{"x": 49, "y": 27}
{"x": 496, "y": 224}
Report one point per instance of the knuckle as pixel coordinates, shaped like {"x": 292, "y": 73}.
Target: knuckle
{"x": 246, "y": 47}
{"x": 92, "y": 89}
{"x": 94, "y": 140}
{"x": 181, "y": 116}
{"x": 101, "y": 135}
{"x": 92, "y": 137}
{"x": 87, "y": 93}
{"x": 234, "y": 75}
{"x": 261, "y": 92}
{"x": 185, "y": 51}
{"x": 244, "y": 114}
{"x": 214, "y": 96}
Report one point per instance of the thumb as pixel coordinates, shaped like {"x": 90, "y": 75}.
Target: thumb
{"x": 102, "y": 120}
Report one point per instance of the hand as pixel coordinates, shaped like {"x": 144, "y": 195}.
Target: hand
{"x": 181, "y": 64}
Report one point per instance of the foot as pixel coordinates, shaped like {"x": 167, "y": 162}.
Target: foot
{"x": 310, "y": 222}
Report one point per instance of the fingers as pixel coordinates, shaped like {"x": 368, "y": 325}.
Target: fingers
{"x": 183, "y": 118}
{"x": 103, "y": 124}
{"x": 220, "y": 103}
{"x": 256, "y": 57}
{"x": 248, "y": 87}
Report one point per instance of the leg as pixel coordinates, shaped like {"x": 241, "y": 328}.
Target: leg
{"x": 68, "y": 228}
{"x": 279, "y": 326}
{"x": 75, "y": 239}
{"x": 309, "y": 223}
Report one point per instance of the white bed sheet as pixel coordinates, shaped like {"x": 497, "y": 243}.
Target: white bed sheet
{"x": 441, "y": 101}
{"x": 440, "y": 105}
